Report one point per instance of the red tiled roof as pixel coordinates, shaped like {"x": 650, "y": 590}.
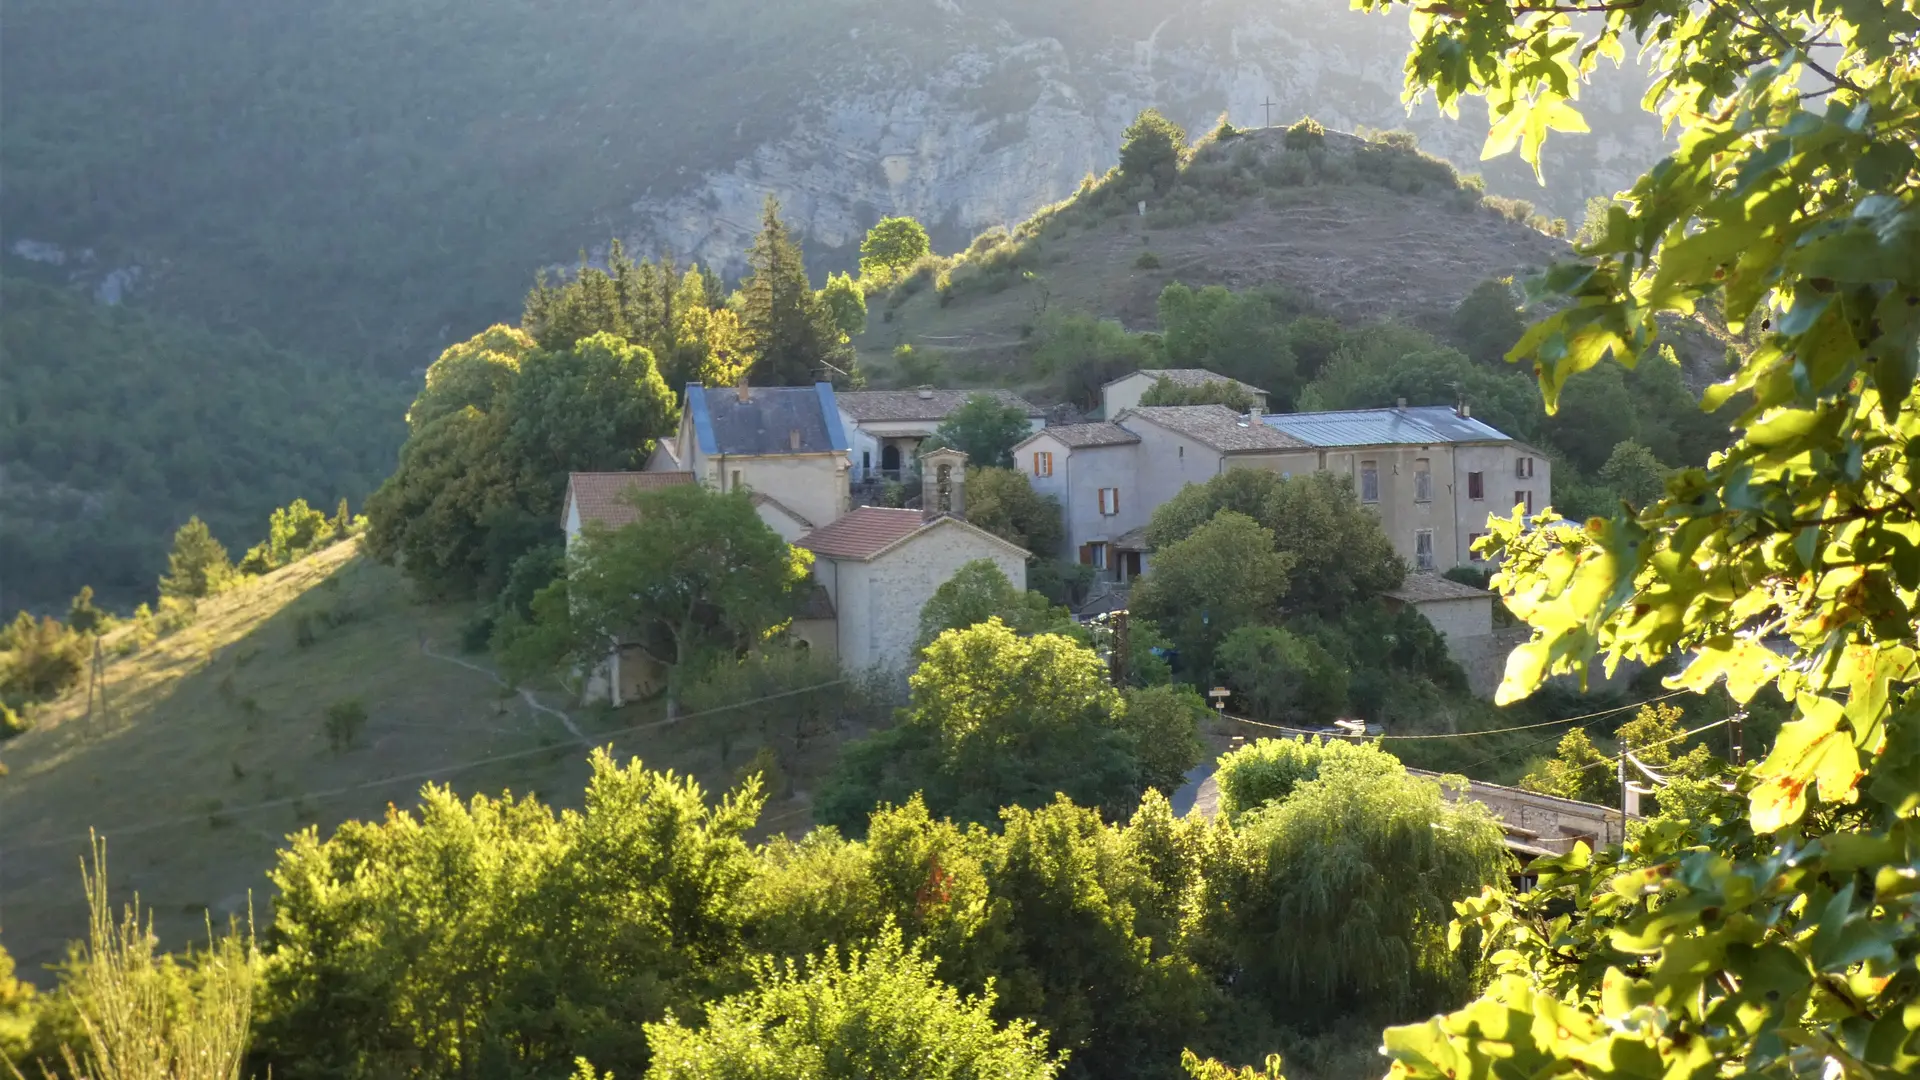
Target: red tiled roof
{"x": 604, "y": 496}
{"x": 862, "y": 533}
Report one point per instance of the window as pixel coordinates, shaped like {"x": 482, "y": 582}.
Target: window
{"x": 1094, "y": 555}
{"x": 1472, "y": 539}
{"x": 866, "y": 464}
{"x": 736, "y": 480}
{"x": 1423, "y": 549}
{"x": 1523, "y": 468}
{"x": 1370, "y": 481}
{"x": 1477, "y": 486}
{"x": 1042, "y": 463}
{"x": 1109, "y": 501}
{"x": 1422, "y": 480}
{"x": 1524, "y": 499}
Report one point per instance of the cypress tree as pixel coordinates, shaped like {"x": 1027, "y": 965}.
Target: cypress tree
{"x": 198, "y": 565}
{"x": 793, "y": 337}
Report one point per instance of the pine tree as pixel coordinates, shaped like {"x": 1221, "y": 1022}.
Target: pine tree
{"x": 198, "y": 565}
{"x": 82, "y": 616}
{"x": 793, "y": 337}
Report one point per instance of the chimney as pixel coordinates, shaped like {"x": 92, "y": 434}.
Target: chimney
{"x": 1253, "y": 414}
{"x": 740, "y": 388}
{"x": 926, "y": 393}
{"x": 1466, "y": 411}
{"x": 1399, "y": 403}
{"x": 943, "y": 483}
{"x": 793, "y": 438}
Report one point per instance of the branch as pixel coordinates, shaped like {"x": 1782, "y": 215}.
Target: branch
{"x": 1766, "y": 27}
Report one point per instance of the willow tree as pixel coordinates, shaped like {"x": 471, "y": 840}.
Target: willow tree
{"x": 1775, "y": 932}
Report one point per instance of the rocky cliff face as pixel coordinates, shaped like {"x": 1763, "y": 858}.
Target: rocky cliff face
{"x": 971, "y": 115}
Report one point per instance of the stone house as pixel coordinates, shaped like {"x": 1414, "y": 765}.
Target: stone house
{"x": 783, "y": 442}
{"x": 887, "y": 426}
{"x": 1433, "y": 472}
{"x": 1111, "y": 476}
{"x": 878, "y": 567}
{"x": 1126, "y": 391}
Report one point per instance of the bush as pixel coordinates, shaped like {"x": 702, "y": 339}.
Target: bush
{"x": 40, "y": 658}
{"x": 345, "y": 720}
{"x": 916, "y": 367}
{"x": 1165, "y": 724}
{"x": 12, "y": 723}
{"x": 1268, "y": 770}
{"x": 1147, "y": 261}
{"x": 879, "y": 1013}
{"x": 1305, "y": 134}
{"x": 1150, "y": 150}
{"x": 1280, "y": 676}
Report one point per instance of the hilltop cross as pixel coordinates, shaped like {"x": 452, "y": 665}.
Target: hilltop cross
{"x": 1268, "y": 106}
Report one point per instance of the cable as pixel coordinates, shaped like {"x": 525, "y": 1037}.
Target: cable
{"x": 423, "y": 774}
{"x": 1469, "y": 734}
{"x": 1662, "y": 742}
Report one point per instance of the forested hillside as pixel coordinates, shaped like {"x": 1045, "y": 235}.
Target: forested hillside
{"x": 117, "y": 424}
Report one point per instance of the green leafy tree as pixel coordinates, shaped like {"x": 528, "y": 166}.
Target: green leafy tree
{"x": 892, "y": 245}
{"x": 1002, "y": 502}
{"x": 594, "y": 407}
{"x": 880, "y": 1012}
{"x": 1081, "y": 354}
{"x": 1150, "y": 150}
{"x": 82, "y": 616}
{"x": 1487, "y": 322}
{"x": 846, "y": 305}
{"x": 1788, "y": 203}
{"x": 984, "y": 429}
{"x": 995, "y": 720}
{"x": 979, "y": 591}
{"x": 494, "y": 930}
{"x": 198, "y": 566}
{"x": 19, "y": 1002}
{"x": 1634, "y": 473}
{"x": 1165, "y": 724}
{"x": 1338, "y": 897}
{"x": 1267, "y": 770}
{"x": 1281, "y": 676}
{"x": 1597, "y": 416}
{"x": 791, "y": 335}
{"x": 1577, "y": 770}
{"x": 697, "y": 576}
{"x": 1223, "y": 576}
{"x": 1338, "y": 552}
{"x": 1213, "y": 392}
{"x": 40, "y": 658}
{"x": 1241, "y": 335}
{"x": 295, "y": 531}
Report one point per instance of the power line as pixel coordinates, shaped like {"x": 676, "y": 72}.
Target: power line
{"x": 1470, "y": 734}
{"x": 1662, "y": 742}
{"x": 423, "y": 774}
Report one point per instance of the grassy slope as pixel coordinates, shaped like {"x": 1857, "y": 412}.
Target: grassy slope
{"x": 227, "y": 714}
{"x": 1356, "y": 251}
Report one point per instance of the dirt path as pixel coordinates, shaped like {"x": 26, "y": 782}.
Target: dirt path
{"x": 534, "y": 703}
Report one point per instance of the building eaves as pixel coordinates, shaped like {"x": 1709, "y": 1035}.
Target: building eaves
{"x": 1216, "y": 426}
{"x": 1420, "y": 425}
{"x": 884, "y": 405}
{"x": 1083, "y": 436}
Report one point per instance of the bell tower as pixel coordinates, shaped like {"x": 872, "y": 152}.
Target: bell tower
{"x": 943, "y": 483}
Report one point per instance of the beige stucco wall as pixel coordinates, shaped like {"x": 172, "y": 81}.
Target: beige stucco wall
{"x": 1466, "y": 617}
{"x": 1495, "y": 462}
{"x": 781, "y": 522}
{"x": 879, "y": 602}
{"x": 822, "y": 636}
{"x": 1054, "y": 484}
{"x": 815, "y": 485}
{"x": 1402, "y": 516}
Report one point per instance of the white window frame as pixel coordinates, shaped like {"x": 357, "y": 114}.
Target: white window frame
{"x": 1109, "y": 502}
{"x": 1422, "y": 480}
{"x": 1043, "y": 457}
{"x": 1423, "y": 560}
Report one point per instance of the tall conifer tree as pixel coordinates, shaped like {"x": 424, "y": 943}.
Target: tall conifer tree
{"x": 793, "y": 337}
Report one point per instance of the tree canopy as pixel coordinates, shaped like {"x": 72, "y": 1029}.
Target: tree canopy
{"x": 1150, "y": 149}
{"x": 1220, "y": 577}
{"x": 892, "y": 245}
{"x": 979, "y": 591}
{"x": 984, "y": 429}
{"x": 790, "y": 331}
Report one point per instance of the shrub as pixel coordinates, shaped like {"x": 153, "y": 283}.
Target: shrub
{"x": 1268, "y": 770}
{"x": 344, "y": 722}
{"x": 1147, "y": 261}
{"x": 1283, "y": 676}
{"x": 40, "y": 658}
{"x": 1150, "y": 150}
{"x": 12, "y": 722}
{"x": 915, "y": 366}
{"x": 880, "y": 1012}
{"x": 1305, "y": 134}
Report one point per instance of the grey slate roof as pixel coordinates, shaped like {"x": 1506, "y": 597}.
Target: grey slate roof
{"x": 1422, "y": 425}
{"x": 1079, "y": 436}
{"x": 1190, "y": 376}
{"x": 772, "y": 419}
{"x": 912, "y": 405}
{"x": 1218, "y": 427}
{"x": 1425, "y": 588}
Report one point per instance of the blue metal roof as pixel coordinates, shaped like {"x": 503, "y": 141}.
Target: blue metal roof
{"x": 1421, "y": 425}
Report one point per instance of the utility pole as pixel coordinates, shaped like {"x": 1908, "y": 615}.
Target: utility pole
{"x": 1268, "y": 106}
{"x": 1735, "y": 738}
{"x": 1122, "y": 654}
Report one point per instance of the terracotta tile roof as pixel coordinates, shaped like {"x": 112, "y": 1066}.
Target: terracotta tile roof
{"x": 1218, "y": 427}
{"x": 1424, "y": 588}
{"x": 603, "y": 496}
{"x": 1191, "y": 377}
{"x": 1079, "y": 436}
{"x": 862, "y": 533}
{"x": 928, "y": 404}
